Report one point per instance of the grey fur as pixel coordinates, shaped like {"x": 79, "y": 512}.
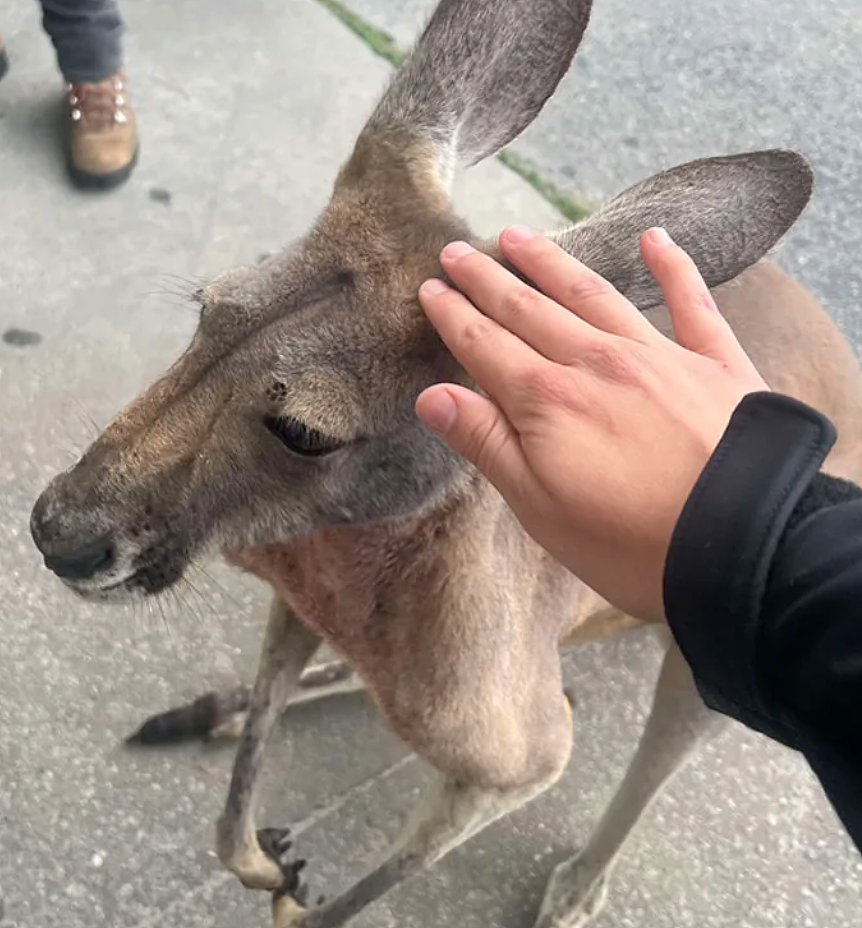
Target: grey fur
{"x": 725, "y": 212}
{"x": 481, "y": 72}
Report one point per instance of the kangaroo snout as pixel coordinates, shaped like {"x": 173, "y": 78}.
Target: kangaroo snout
{"x": 100, "y": 541}
{"x": 75, "y": 541}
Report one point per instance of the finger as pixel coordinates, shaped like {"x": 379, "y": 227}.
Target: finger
{"x": 697, "y": 323}
{"x": 495, "y": 358}
{"x": 567, "y": 281}
{"x": 477, "y": 430}
{"x": 520, "y": 308}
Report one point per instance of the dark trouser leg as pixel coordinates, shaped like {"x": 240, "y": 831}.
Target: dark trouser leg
{"x": 87, "y": 36}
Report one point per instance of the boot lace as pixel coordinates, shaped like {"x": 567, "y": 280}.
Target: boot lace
{"x": 98, "y": 105}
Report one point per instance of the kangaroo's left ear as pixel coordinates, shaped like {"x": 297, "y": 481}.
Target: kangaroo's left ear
{"x": 727, "y": 213}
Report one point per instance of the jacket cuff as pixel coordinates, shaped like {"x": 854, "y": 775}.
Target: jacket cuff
{"x": 725, "y": 539}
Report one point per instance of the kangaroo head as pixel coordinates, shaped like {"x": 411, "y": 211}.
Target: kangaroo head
{"x": 292, "y": 408}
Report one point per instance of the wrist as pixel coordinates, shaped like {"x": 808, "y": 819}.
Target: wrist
{"x": 729, "y": 529}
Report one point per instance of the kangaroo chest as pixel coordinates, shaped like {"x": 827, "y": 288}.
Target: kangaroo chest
{"x": 361, "y": 589}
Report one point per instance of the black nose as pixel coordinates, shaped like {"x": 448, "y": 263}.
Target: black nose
{"x": 82, "y": 562}
{"x": 74, "y": 546}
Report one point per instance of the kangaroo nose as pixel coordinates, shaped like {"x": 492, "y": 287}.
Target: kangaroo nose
{"x": 82, "y": 562}
{"x": 71, "y": 553}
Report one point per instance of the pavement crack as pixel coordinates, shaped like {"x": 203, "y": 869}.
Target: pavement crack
{"x": 342, "y": 799}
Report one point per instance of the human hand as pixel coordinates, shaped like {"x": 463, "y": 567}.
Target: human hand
{"x": 595, "y": 427}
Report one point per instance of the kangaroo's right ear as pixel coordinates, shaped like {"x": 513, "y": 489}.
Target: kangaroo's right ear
{"x": 479, "y": 74}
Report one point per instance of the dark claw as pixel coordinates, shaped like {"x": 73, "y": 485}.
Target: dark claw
{"x": 276, "y": 844}
{"x": 293, "y": 885}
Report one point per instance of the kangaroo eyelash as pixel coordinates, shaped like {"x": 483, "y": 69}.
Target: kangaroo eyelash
{"x": 299, "y": 438}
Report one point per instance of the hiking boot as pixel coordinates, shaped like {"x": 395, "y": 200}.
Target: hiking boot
{"x": 4, "y": 59}
{"x": 103, "y": 136}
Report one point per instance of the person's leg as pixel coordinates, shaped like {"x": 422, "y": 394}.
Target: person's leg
{"x": 102, "y": 134}
{"x": 87, "y": 36}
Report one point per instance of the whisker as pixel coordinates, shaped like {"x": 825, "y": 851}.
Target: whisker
{"x": 139, "y": 616}
{"x": 225, "y": 592}
{"x": 187, "y": 287}
{"x": 194, "y": 282}
{"x": 162, "y": 292}
{"x": 165, "y": 624}
{"x": 184, "y": 604}
{"x": 209, "y": 606}
{"x": 171, "y": 286}
{"x": 180, "y": 300}
{"x": 85, "y": 415}
{"x": 137, "y": 609}
{"x": 88, "y": 424}
{"x": 73, "y": 453}
{"x": 202, "y": 599}
{"x": 147, "y": 615}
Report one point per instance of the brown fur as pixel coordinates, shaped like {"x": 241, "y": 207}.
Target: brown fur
{"x": 356, "y": 586}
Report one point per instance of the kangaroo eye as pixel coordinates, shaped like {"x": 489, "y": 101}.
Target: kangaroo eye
{"x": 300, "y": 439}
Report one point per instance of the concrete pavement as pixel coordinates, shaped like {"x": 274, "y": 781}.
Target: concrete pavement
{"x": 247, "y": 110}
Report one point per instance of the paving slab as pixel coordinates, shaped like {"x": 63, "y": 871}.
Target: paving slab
{"x": 247, "y": 110}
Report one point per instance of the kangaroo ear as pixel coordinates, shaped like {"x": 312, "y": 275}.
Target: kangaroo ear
{"x": 727, "y": 213}
{"x": 479, "y": 74}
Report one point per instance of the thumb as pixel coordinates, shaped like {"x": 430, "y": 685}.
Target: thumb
{"x": 476, "y": 429}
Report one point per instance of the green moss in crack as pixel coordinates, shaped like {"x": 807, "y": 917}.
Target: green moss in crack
{"x": 573, "y": 210}
{"x": 380, "y": 42}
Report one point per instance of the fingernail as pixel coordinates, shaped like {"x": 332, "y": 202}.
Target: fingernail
{"x": 433, "y": 286}
{"x": 659, "y": 237}
{"x": 517, "y": 235}
{"x": 438, "y": 412}
{"x": 457, "y": 250}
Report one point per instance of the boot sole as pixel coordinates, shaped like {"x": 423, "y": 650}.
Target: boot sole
{"x": 84, "y": 180}
{"x": 4, "y": 63}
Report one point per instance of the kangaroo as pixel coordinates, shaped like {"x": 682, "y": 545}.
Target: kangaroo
{"x": 285, "y": 436}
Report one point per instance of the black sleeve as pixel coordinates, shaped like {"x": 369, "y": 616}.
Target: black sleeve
{"x": 763, "y": 591}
